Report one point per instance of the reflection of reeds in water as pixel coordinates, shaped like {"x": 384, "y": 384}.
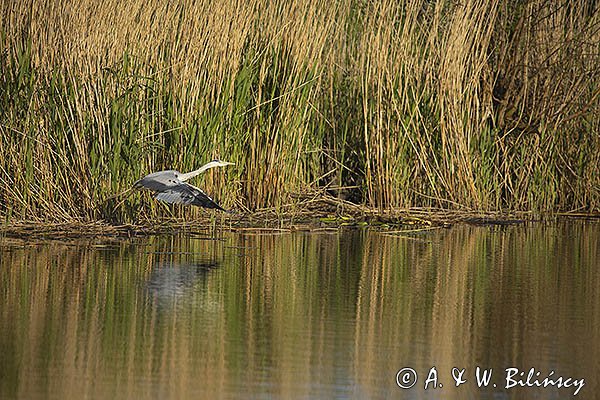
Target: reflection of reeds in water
{"x": 480, "y": 297}
{"x": 295, "y": 315}
{"x": 86, "y": 320}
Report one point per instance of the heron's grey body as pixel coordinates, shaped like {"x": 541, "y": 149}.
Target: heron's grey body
{"x": 171, "y": 187}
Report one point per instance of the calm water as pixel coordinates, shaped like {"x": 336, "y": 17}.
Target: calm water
{"x": 303, "y": 315}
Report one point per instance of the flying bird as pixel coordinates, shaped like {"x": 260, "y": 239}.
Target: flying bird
{"x": 171, "y": 187}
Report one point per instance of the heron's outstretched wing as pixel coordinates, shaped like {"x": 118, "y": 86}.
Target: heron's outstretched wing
{"x": 158, "y": 181}
{"x": 184, "y": 193}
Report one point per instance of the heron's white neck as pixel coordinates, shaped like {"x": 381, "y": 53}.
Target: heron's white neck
{"x": 190, "y": 175}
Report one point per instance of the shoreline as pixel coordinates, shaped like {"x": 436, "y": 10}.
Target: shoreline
{"x": 269, "y": 221}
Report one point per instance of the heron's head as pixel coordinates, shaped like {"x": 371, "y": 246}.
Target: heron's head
{"x": 219, "y": 163}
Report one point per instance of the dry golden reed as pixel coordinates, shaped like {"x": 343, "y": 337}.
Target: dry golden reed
{"x": 477, "y": 105}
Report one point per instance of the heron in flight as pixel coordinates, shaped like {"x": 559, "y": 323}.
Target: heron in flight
{"x": 170, "y": 186}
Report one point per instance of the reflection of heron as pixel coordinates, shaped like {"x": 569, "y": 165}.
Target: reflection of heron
{"x": 170, "y": 186}
{"x": 170, "y": 281}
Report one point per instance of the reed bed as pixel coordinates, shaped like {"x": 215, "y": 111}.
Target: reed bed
{"x": 487, "y": 106}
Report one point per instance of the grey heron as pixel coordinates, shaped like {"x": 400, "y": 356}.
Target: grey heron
{"x": 171, "y": 187}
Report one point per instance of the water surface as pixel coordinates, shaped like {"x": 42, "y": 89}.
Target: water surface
{"x": 302, "y": 315}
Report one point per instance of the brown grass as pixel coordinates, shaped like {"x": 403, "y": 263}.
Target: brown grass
{"x": 486, "y": 106}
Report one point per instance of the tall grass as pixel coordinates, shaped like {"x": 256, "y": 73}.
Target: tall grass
{"x": 472, "y": 105}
